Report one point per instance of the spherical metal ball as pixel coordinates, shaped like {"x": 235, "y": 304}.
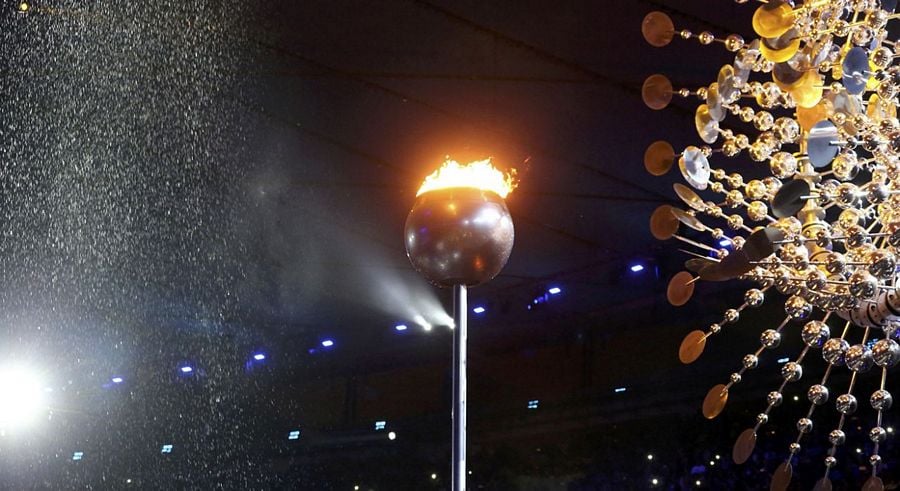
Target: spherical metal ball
{"x": 874, "y": 459}
{"x": 754, "y": 297}
{"x": 804, "y": 425}
{"x": 833, "y": 351}
{"x": 886, "y": 353}
{"x": 815, "y": 333}
{"x": 830, "y": 461}
{"x": 859, "y": 358}
{"x": 837, "y": 437}
{"x": 877, "y": 434}
{"x": 792, "y": 371}
{"x": 770, "y": 338}
{"x": 774, "y": 398}
{"x": 846, "y": 404}
{"x": 459, "y": 236}
{"x": 797, "y": 307}
{"x": 735, "y": 378}
{"x": 762, "y": 418}
{"x": 881, "y": 399}
{"x": 732, "y": 316}
{"x": 863, "y": 284}
{"x": 817, "y": 394}
{"x": 750, "y": 361}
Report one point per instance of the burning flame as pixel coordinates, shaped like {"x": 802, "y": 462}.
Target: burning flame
{"x": 480, "y": 174}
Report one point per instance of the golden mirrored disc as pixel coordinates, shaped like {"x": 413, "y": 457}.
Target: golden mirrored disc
{"x": 657, "y": 29}
{"x": 874, "y": 483}
{"x": 810, "y": 91}
{"x": 707, "y": 126}
{"x": 743, "y": 446}
{"x": 692, "y": 347}
{"x": 780, "y": 49}
{"x": 663, "y": 223}
{"x": 782, "y": 477}
{"x": 823, "y": 484}
{"x": 657, "y": 92}
{"x": 808, "y": 117}
{"x": 689, "y": 197}
{"x": 681, "y": 288}
{"x": 879, "y": 110}
{"x": 715, "y": 401}
{"x": 659, "y": 158}
{"x": 773, "y": 19}
{"x": 688, "y": 219}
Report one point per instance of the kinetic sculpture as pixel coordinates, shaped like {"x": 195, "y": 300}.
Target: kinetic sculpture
{"x": 812, "y": 103}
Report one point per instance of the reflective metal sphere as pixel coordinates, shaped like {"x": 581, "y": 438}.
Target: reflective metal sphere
{"x": 459, "y": 236}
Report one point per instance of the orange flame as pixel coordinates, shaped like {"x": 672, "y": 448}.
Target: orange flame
{"x": 480, "y": 174}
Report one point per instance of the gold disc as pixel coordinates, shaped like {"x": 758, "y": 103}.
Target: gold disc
{"x": 681, "y": 288}
{"x": 689, "y": 197}
{"x": 874, "y": 483}
{"x": 810, "y": 91}
{"x": 743, "y": 446}
{"x": 879, "y": 110}
{"x": 823, "y": 484}
{"x": 782, "y": 477}
{"x": 773, "y": 19}
{"x": 692, "y": 347}
{"x": 657, "y": 29}
{"x": 688, "y": 219}
{"x": 657, "y": 92}
{"x": 715, "y": 401}
{"x": 808, "y": 117}
{"x": 659, "y": 158}
{"x": 663, "y": 224}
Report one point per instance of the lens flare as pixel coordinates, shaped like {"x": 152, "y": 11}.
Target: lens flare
{"x": 21, "y": 398}
{"x": 480, "y": 174}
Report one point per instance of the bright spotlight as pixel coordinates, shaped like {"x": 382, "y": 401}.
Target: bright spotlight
{"x": 555, "y": 290}
{"x": 187, "y": 369}
{"x": 392, "y": 436}
{"x": 259, "y": 357}
{"x": 327, "y": 343}
{"x": 21, "y": 398}
{"x": 637, "y": 268}
{"x": 117, "y": 380}
{"x": 478, "y": 310}
{"x": 400, "y": 327}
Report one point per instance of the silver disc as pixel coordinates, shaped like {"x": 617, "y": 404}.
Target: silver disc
{"x": 856, "y": 70}
{"x": 694, "y": 167}
{"x": 714, "y": 102}
{"x": 727, "y": 85}
{"x": 821, "y": 143}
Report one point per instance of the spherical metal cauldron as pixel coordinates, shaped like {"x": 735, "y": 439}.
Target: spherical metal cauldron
{"x": 459, "y": 236}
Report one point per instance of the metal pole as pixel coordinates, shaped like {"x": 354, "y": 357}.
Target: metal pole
{"x": 459, "y": 387}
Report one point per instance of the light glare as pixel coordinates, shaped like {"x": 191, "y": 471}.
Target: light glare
{"x": 637, "y": 268}
{"x": 21, "y": 398}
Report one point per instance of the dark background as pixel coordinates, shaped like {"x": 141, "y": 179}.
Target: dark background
{"x": 191, "y": 183}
